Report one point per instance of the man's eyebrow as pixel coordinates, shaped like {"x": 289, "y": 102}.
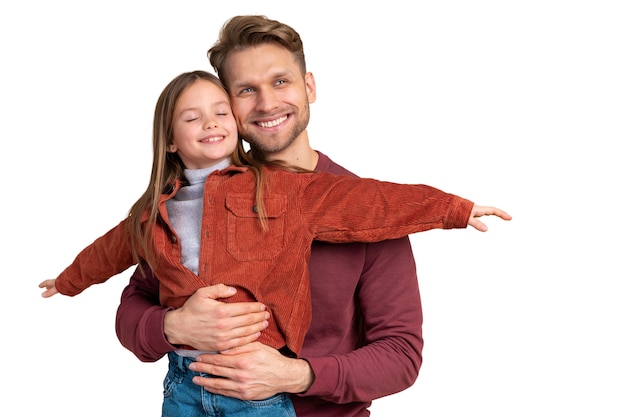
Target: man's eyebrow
{"x": 239, "y": 85}
{"x": 282, "y": 73}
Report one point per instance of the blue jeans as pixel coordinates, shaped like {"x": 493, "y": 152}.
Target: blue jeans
{"x": 181, "y": 397}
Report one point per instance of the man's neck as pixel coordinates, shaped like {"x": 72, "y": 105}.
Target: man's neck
{"x": 299, "y": 153}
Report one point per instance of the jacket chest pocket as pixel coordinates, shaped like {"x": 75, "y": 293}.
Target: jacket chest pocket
{"x": 246, "y": 239}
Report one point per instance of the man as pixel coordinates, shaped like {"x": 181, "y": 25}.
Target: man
{"x": 365, "y": 340}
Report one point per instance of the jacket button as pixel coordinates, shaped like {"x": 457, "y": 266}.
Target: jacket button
{"x": 255, "y": 209}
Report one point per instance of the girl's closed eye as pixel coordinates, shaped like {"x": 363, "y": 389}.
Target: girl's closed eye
{"x": 223, "y": 110}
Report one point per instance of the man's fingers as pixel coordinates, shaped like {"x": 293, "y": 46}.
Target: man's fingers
{"x": 217, "y": 291}
{"x": 244, "y": 335}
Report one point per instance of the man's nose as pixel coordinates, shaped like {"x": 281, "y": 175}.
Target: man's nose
{"x": 267, "y": 100}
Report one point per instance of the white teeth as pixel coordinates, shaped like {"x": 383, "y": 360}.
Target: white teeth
{"x": 213, "y": 139}
{"x": 273, "y": 122}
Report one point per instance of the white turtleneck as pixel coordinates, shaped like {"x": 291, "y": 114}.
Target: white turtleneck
{"x": 185, "y": 213}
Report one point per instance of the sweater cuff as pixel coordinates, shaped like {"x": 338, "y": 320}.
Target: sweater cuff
{"x": 156, "y": 345}
{"x": 326, "y": 376}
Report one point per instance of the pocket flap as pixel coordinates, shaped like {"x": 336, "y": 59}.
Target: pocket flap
{"x": 243, "y": 205}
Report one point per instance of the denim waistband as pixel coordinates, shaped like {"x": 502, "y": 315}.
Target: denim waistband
{"x": 182, "y": 362}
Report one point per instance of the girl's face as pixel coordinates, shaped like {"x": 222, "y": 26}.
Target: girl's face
{"x": 205, "y": 131}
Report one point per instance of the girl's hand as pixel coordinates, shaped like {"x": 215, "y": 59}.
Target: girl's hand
{"x": 479, "y": 211}
{"x": 51, "y": 289}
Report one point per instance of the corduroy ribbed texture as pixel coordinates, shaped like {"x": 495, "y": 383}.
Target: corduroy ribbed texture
{"x": 271, "y": 266}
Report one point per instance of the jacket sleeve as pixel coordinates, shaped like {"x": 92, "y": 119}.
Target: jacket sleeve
{"x": 343, "y": 209}
{"x": 139, "y": 319}
{"x": 107, "y": 256}
{"x": 389, "y": 357}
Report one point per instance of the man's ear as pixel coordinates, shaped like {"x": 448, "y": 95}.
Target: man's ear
{"x": 309, "y": 84}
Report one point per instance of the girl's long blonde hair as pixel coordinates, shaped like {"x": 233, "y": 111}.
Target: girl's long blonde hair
{"x": 167, "y": 167}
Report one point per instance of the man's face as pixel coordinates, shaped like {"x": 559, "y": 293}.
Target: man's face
{"x": 270, "y": 96}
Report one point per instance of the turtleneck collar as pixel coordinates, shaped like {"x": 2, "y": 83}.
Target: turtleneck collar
{"x": 195, "y": 176}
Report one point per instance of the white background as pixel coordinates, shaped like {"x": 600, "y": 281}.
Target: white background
{"x": 520, "y": 105}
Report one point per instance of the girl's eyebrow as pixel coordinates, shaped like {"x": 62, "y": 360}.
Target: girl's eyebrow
{"x": 217, "y": 103}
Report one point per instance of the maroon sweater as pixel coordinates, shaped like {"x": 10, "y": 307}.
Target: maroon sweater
{"x": 365, "y": 338}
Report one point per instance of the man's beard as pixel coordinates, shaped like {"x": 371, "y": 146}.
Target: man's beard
{"x": 268, "y": 143}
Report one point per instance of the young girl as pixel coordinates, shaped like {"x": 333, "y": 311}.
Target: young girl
{"x": 213, "y": 214}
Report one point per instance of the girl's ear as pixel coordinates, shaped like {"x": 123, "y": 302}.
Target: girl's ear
{"x": 171, "y": 148}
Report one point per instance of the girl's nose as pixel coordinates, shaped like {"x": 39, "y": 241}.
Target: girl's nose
{"x": 211, "y": 124}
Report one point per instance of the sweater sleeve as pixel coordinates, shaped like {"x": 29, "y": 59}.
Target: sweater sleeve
{"x": 139, "y": 319}
{"x": 389, "y": 355}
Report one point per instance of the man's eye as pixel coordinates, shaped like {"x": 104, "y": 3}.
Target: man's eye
{"x": 279, "y": 82}
{"x": 247, "y": 90}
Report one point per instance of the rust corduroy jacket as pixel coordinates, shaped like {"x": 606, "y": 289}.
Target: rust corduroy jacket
{"x": 271, "y": 266}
